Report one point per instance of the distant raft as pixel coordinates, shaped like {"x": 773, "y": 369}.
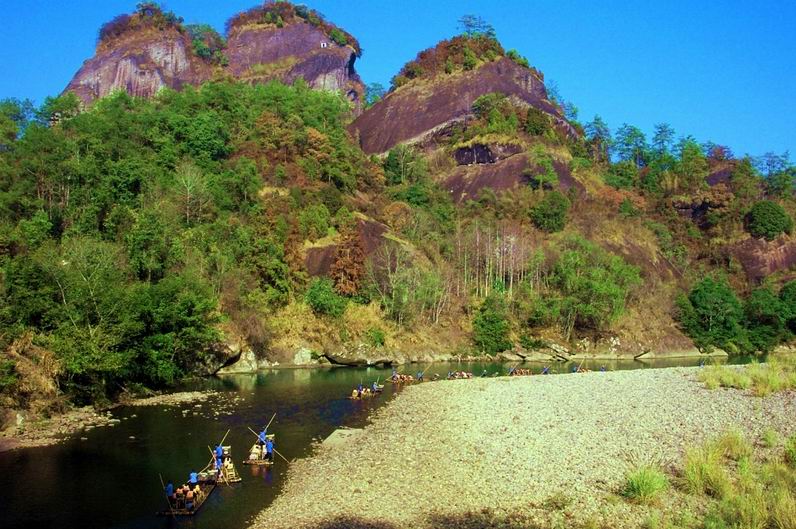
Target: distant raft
{"x": 257, "y": 454}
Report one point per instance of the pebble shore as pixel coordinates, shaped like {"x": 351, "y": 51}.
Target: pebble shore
{"x": 442, "y": 454}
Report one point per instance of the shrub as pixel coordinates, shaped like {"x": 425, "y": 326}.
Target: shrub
{"x": 550, "y": 214}
{"x": 515, "y": 56}
{"x": 491, "y": 325}
{"x": 768, "y": 220}
{"x": 643, "y": 483}
{"x": 338, "y": 37}
{"x": 323, "y": 299}
{"x": 537, "y": 123}
{"x": 376, "y": 337}
{"x": 622, "y": 175}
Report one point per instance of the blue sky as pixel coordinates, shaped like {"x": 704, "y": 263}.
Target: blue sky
{"x": 721, "y": 71}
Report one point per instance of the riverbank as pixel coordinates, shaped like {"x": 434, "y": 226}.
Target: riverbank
{"x": 35, "y": 432}
{"x": 542, "y": 450}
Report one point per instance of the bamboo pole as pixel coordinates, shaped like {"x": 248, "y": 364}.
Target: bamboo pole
{"x": 280, "y": 455}
{"x": 224, "y": 438}
{"x": 269, "y": 422}
{"x": 168, "y": 500}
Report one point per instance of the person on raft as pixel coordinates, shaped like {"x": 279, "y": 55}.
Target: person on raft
{"x": 359, "y": 390}
{"x": 394, "y": 374}
{"x": 169, "y": 490}
{"x": 193, "y": 478}
{"x": 261, "y": 437}
{"x": 375, "y": 387}
{"x": 269, "y": 450}
{"x": 546, "y": 370}
{"x": 420, "y": 376}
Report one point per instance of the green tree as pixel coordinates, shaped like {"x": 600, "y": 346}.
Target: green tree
{"x": 764, "y": 319}
{"x": 631, "y": 144}
{"x": 593, "y": 285}
{"x": 662, "y": 138}
{"x": 550, "y": 214}
{"x": 768, "y": 220}
{"x": 491, "y": 325}
{"x": 712, "y": 316}
{"x": 323, "y": 299}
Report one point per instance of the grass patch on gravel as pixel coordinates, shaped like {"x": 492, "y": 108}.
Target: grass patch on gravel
{"x": 741, "y": 489}
{"x": 644, "y": 482}
{"x": 790, "y": 451}
{"x": 703, "y": 472}
{"x": 762, "y": 379}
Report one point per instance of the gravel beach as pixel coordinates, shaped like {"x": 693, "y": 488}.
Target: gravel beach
{"x": 543, "y": 449}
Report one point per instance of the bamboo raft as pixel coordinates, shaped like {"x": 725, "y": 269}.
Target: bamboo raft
{"x": 179, "y": 507}
{"x": 257, "y": 451}
{"x": 229, "y": 473}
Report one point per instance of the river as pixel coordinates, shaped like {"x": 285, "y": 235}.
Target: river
{"x": 110, "y": 479}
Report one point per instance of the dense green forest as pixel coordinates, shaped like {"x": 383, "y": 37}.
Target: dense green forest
{"x": 136, "y": 234}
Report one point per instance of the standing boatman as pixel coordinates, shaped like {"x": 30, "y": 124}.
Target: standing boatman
{"x": 169, "y": 490}
{"x": 269, "y": 450}
{"x": 261, "y": 437}
{"x": 193, "y": 479}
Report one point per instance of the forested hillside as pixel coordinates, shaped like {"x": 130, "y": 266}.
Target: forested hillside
{"x": 143, "y": 240}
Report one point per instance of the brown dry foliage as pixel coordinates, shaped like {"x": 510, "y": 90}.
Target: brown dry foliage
{"x": 38, "y": 370}
{"x": 348, "y": 268}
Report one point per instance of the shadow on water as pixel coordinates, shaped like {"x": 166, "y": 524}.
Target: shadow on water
{"x": 110, "y": 480}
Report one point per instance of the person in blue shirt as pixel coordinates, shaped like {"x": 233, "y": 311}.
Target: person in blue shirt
{"x": 359, "y": 390}
{"x": 193, "y": 478}
{"x": 375, "y": 387}
{"x": 602, "y": 369}
{"x": 261, "y": 437}
{"x": 574, "y": 369}
{"x": 269, "y": 450}
{"x": 546, "y": 370}
{"x": 483, "y": 373}
{"x": 511, "y": 371}
{"x": 169, "y": 489}
{"x": 419, "y": 376}
{"x": 219, "y": 452}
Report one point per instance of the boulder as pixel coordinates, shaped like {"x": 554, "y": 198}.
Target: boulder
{"x": 506, "y": 356}
{"x": 303, "y": 357}
{"x": 246, "y": 363}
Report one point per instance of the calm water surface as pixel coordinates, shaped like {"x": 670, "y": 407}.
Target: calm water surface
{"x": 111, "y": 480}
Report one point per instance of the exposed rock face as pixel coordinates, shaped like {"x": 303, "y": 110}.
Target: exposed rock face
{"x": 319, "y": 260}
{"x": 422, "y": 108}
{"x": 761, "y": 258}
{"x": 466, "y": 182}
{"x": 141, "y": 64}
{"x": 479, "y": 153}
{"x": 265, "y": 52}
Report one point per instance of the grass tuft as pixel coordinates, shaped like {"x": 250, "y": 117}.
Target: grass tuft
{"x": 644, "y": 482}
{"x": 790, "y": 451}
{"x": 770, "y": 438}
{"x": 703, "y": 472}
{"x": 734, "y": 445}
